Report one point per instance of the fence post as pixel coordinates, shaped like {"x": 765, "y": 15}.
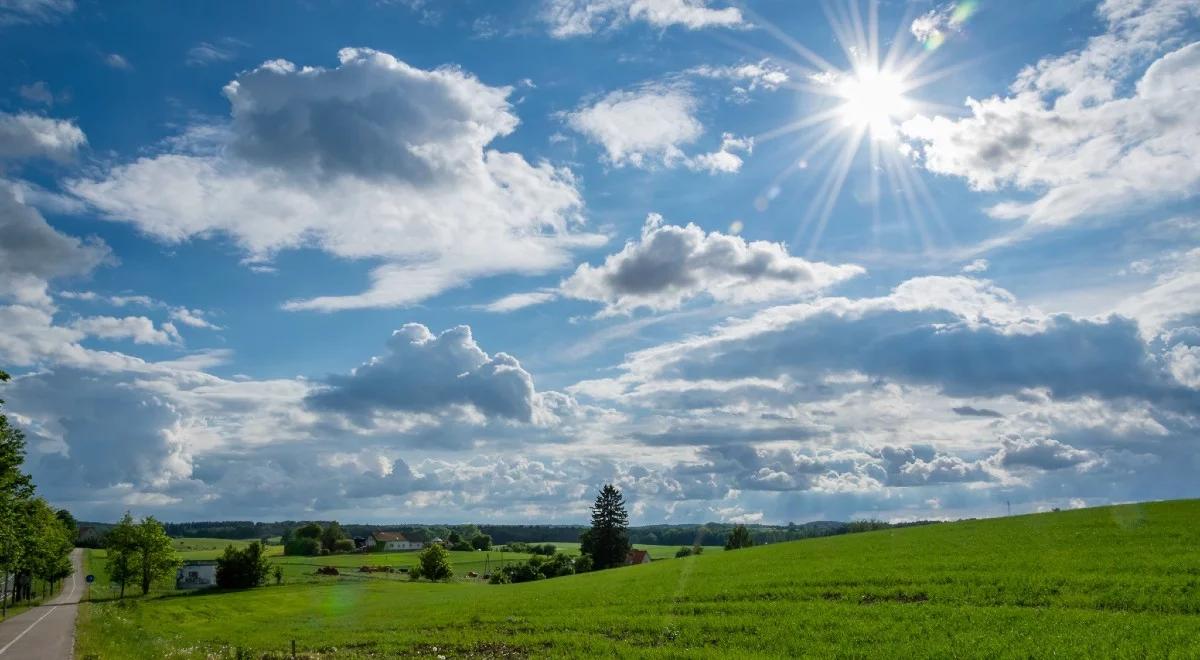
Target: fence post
{"x": 293, "y": 649}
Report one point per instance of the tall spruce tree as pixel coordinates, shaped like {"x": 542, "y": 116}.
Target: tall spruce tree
{"x": 607, "y": 542}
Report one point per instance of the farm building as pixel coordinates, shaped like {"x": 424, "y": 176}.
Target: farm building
{"x": 196, "y": 575}
{"x": 391, "y": 541}
{"x": 637, "y": 557}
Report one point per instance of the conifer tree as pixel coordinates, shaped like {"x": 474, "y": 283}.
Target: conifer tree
{"x": 607, "y": 542}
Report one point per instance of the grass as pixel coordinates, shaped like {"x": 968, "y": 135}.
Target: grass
{"x": 1110, "y": 582}
{"x": 656, "y": 551}
{"x": 202, "y": 548}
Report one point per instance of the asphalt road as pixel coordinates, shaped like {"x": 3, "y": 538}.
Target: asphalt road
{"x": 46, "y": 632}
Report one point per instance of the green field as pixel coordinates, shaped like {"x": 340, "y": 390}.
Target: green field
{"x": 656, "y": 551}
{"x": 1105, "y": 582}
{"x": 201, "y": 548}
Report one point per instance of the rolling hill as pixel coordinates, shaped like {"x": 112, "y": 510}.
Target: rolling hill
{"x": 1113, "y": 581}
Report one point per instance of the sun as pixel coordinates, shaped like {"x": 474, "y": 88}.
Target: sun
{"x": 872, "y": 99}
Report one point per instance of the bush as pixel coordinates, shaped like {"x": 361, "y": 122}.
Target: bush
{"x": 482, "y": 542}
{"x": 583, "y": 563}
{"x": 327, "y": 570}
{"x": 343, "y": 545}
{"x": 241, "y": 569}
{"x": 433, "y": 564}
{"x": 687, "y": 552}
{"x": 462, "y": 546}
{"x": 302, "y": 546}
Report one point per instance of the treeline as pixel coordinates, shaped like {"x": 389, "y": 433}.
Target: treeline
{"x": 711, "y": 533}
{"x": 35, "y": 540}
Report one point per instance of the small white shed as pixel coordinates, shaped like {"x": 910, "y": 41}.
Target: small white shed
{"x": 196, "y": 575}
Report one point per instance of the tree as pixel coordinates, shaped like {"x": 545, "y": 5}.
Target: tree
{"x": 69, "y": 522}
{"x": 739, "y": 538}
{"x": 156, "y": 557}
{"x": 608, "y": 540}
{"x": 331, "y": 535}
{"x": 244, "y": 568}
{"x": 120, "y": 545}
{"x": 481, "y": 542}
{"x": 433, "y": 564}
{"x": 16, "y": 488}
{"x": 454, "y": 538}
{"x": 278, "y": 573}
{"x": 309, "y": 531}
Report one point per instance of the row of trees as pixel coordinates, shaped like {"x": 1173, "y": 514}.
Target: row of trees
{"x": 35, "y": 540}
{"x": 139, "y": 553}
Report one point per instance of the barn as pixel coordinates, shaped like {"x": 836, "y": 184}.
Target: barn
{"x": 637, "y": 557}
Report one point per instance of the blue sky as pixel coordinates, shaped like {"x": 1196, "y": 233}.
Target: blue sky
{"x": 431, "y": 260}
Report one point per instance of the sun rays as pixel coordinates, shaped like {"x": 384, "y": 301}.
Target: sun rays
{"x": 855, "y": 108}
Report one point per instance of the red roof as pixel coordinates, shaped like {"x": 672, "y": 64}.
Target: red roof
{"x": 384, "y": 537}
{"x": 637, "y": 557}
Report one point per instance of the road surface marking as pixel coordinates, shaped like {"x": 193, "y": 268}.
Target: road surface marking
{"x": 31, "y": 626}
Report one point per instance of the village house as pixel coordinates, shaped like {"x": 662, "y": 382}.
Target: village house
{"x": 196, "y": 575}
{"x": 391, "y": 541}
{"x": 637, "y": 557}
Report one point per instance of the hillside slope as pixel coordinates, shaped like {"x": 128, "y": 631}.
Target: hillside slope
{"x": 1115, "y": 581}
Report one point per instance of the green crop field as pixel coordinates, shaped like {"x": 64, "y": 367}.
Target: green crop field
{"x": 1104, "y": 582}
{"x": 201, "y": 548}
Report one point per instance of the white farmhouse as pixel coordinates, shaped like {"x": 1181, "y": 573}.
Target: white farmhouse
{"x": 391, "y": 541}
{"x": 196, "y": 575}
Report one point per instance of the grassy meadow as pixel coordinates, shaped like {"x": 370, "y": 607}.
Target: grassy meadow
{"x": 1112, "y": 582}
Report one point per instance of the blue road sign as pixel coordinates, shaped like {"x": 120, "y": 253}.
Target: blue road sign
{"x": 91, "y": 578}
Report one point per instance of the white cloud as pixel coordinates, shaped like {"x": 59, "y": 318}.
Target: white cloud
{"x": 1069, "y": 135}
{"x": 138, "y": 329}
{"x": 373, "y": 159}
{"x": 976, "y": 266}
{"x": 37, "y": 92}
{"x": 724, "y": 159}
{"x": 32, "y": 252}
{"x": 516, "y": 301}
{"x": 25, "y": 135}
{"x": 193, "y": 318}
{"x": 747, "y": 78}
{"x": 15, "y": 12}
{"x": 117, "y": 61}
{"x": 641, "y": 128}
{"x": 571, "y": 18}
{"x": 650, "y": 126}
{"x": 670, "y": 265}
{"x": 205, "y": 53}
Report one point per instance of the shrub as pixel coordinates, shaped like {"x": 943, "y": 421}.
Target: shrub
{"x": 462, "y": 546}
{"x": 583, "y": 563}
{"x": 739, "y": 538}
{"x": 302, "y": 546}
{"x": 683, "y": 552}
{"x": 433, "y": 564}
{"x": 482, "y": 542}
{"x": 343, "y": 545}
{"x": 327, "y": 570}
{"x": 240, "y": 569}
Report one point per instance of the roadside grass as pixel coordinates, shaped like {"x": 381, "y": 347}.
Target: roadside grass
{"x": 1104, "y": 582}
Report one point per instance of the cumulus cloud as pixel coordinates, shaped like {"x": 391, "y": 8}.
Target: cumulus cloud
{"x": 373, "y": 159}
{"x": 1042, "y": 453}
{"x": 425, "y": 372}
{"x": 965, "y": 337}
{"x": 25, "y": 135}
{"x": 641, "y": 128}
{"x": 572, "y": 18}
{"x": 1070, "y": 132}
{"x": 669, "y": 265}
{"x": 32, "y": 252}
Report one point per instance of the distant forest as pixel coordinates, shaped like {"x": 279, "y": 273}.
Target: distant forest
{"x": 682, "y": 535}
